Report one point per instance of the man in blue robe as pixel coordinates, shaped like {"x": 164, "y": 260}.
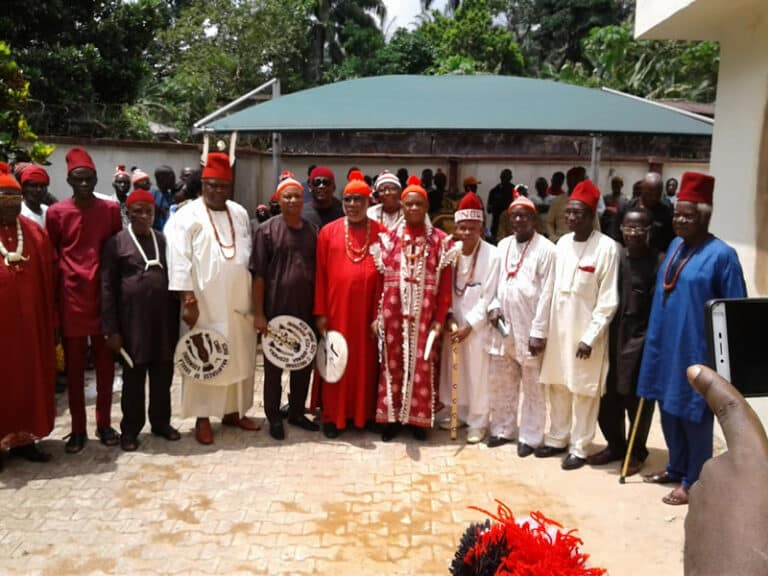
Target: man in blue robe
{"x": 698, "y": 267}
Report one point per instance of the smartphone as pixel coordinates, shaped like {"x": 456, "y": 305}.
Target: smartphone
{"x": 736, "y": 338}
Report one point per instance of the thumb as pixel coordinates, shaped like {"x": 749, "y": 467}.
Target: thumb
{"x": 741, "y": 426}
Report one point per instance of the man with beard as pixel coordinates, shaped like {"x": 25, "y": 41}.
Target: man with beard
{"x": 325, "y": 207}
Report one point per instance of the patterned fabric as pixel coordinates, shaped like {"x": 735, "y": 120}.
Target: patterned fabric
{"x": 411, "y": 299}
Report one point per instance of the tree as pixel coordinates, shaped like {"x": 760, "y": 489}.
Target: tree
{"x": 652, "y": 69}
{"x": 17, "y": 141}
{"x": 84, "y": 58}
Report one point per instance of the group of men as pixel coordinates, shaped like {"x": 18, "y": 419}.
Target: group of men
{"x": 562, "y": 326}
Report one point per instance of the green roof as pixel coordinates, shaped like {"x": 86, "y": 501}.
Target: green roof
{"x": 483, "y": 103}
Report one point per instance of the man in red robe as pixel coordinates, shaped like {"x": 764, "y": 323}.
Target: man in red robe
{"x": 346, "y": 283}
{"x": 414, "y": 260}
{"x": 78, "y": 227}
{"x": 27, "y": 408}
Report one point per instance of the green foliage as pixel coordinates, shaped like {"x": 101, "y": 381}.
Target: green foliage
{"x": 17, "y": 141}
{"x": 652, "y": 69}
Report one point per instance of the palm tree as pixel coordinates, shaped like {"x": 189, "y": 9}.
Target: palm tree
{"x": 329, "y": 20}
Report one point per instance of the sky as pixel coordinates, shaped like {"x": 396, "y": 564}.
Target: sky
{"x": 404, "y": 12}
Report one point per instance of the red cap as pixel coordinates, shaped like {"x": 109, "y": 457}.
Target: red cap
{"x": 322, "y": 172}
{"x": 414, "y": 185}
{"x": 140, "y": 195}
{"x": 34, "y": 173}
{"x": 217, "y": 166}
{"x": 696, "y": 187}
{"x": 470, "y": 208}
{"x": 357, "y": 184}
{"x": 6, "y": 180}
{"x": 77, "y": 157}
{"x": 587, "y": 193}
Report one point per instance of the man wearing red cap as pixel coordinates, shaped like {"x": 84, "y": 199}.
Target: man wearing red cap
{"x": 346, "y": 283}
{"x": 208, "y": 255}
{"x": 325, "y": 207}
{"x": 79, "y": 227}
{"x": 137, "y": 316}
{"x": 523, "y": 297}
{"x": 283, "y": 268}
{"x": 585, "y": 297}
{"x": 27, "y": 406}
{"x": 475, "y": 273}
{"x": 698, "y": 267}
{"x": 415, "y": 262}
{"x": 34, "y": 188}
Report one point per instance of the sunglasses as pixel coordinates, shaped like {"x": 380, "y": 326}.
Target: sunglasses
{"x": 321, "y": 182}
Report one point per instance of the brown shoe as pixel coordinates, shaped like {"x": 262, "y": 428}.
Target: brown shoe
{"x": 605, "y": 456}
{"x": 634, "y": 467}
{"x": 203, "y": 432}
{"x": 244, "y": 423}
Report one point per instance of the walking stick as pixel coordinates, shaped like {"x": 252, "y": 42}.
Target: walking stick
{"x": 632, "y": 435}
{"x": 454, "y": 385}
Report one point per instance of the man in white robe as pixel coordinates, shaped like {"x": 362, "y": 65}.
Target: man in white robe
{"x": 584, "y": 300}
{"x": 209, "y": 247}
{"x": 523, "y": 301}
{"x": 475, "y": 274}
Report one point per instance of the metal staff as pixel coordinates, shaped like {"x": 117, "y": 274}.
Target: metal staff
{"x": 454, "y": 384}
{"x": 632, "y": 435}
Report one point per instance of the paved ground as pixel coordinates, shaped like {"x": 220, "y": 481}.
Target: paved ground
{"x": 357, "y": 506}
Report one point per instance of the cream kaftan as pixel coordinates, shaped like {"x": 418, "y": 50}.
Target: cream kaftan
{"x": 222, "y": 287}
{"x": 471, "y": 308}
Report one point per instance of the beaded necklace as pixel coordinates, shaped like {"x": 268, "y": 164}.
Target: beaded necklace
{"x": 147, "y": 263}
{"x": 356, "y": 255}
{"x": 669, "y": 284}
{"x": 513, "y": 272}
{"x": 223, "y": 246}
{"x": 17, "y": 255}
{"x": 471, "y": 274}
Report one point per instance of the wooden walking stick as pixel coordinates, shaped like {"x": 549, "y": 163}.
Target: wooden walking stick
{"x": 632, "y": 435}
{"x": 454, "y": 384}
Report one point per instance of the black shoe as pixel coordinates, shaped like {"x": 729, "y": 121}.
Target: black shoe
{"x": 305, "y": 423}
{"x": 31, "y": 453}
{"x": 419, "y": 433}
{"x": 330, "y": 430}
{"x": 167, "y": 432}
{"x": 524, "y": 450}
{"x": 390, "y": 432}
{"x": 548, "y": 451}
{"x": 572, "y": 462}
{"x": 128, "y": 442}
{"x": 277, "y": 430}
{"x": 108, "y": 436}
{"x": 496, "y": 441}
{"x": 75, "y": 443}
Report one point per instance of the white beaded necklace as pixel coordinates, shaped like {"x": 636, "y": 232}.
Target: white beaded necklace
{"x": 148, "y": 263}
{"x": 17, "y": 256}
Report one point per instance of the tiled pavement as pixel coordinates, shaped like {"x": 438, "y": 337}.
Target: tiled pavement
{"x": 357, "y": 506}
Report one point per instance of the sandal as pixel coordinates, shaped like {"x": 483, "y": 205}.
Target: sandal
{"x": 678, "y": 497}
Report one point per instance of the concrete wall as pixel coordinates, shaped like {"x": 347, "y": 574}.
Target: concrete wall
{"x": 254, "y": 182}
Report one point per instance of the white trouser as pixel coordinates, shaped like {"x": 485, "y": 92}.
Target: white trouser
{"x": 573, "y": 420}
{"x": 508, "y": 377}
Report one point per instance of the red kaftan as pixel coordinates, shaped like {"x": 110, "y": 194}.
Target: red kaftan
{"x": 77, "y": 236}
{"x": 415, "y": 264}
{"x": 27, "y": 403}
{"x": 345, "y": 293}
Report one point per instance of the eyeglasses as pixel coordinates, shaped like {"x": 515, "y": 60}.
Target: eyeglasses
{"x": 354, "y": 199}
{"x": 684, "y": 218}
{"x": 321, "y": 182}
{"x": 634, "y": 230}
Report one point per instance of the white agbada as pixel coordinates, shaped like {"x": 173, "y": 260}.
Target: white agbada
{"x": 524, "y": 297}
{"x": 584, "y": 301}
{"x": 471, "y": 308}
{"x": 222, "y": 287}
